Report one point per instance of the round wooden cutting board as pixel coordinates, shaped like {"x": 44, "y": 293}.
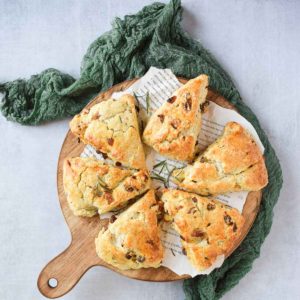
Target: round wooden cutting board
{"x": 62, "y": 273}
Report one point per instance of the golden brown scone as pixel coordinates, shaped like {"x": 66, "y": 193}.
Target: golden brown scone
{"x": 173, "y": 129}
{"x": 112, "y": 128}
{"x": 232, "y": 163}
{"x": 207, "y": 227}
{"x": 132, "y": 241}
{"x": 92, "y": 186}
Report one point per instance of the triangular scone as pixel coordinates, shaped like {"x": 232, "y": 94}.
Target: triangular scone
{"x": 207, "y": 227}
{"x": 232, "y": 163}
{"x": 173, "y": 129}
{"x": 132, "y": 241}
{"x": 111, "y": 126}
{"x": 92, "y": 186}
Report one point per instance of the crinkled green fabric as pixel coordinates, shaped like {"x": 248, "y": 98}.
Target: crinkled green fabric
{"x": 152, "y": 37}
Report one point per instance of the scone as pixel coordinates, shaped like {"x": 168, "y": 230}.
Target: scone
{"x": 92, "y": 186}
{"x": 112, "y": 128}
{"x": 132, "y": 241}
{"x": 232, "y": 163}
{"x": 173, "y": 129}
{"x": 207, "y": 228}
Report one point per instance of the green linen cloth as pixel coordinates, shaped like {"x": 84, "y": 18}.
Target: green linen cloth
{"x": 152, "y": 37}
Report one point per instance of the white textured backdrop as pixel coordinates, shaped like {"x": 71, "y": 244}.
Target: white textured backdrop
{"x": 257, "y": 42}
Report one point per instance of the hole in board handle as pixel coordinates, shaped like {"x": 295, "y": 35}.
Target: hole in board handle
{"x": 52, "y": 283}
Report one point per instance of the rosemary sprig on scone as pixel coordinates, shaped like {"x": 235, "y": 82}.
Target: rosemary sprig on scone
{"x": 147, "y": 100}
{"x": 147, "y": 103}
{"x": 156, "y": 176}
{"x": 162, "y": 164}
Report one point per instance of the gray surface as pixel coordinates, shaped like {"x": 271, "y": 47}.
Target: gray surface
{"x": 258, "y": 43}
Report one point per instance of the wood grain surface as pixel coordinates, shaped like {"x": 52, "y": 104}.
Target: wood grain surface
{"x": 69, "y": 266}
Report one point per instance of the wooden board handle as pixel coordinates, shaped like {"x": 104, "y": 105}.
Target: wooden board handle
{"x": 62, "y": 273}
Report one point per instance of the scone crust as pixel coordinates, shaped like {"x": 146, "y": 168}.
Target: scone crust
{"x": 207, "y": 227}
{"x": 92, "y": 187}
{"x": 133, "y": 240}
{"x": 111, "y": 126}
{"x": 173, "y": 129}
{"x": 232, "y": 163}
